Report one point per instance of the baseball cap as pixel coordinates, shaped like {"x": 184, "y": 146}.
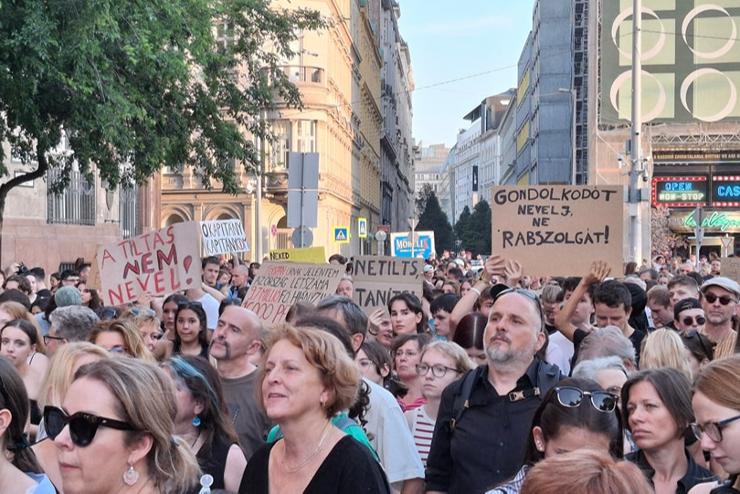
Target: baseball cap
{"x": 428, "y": 267}
{"x": 685, "y": 304}
{"x": 722, "y": 282}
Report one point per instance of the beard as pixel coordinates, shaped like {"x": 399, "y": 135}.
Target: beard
{"x": 226, "y": 352}
{"x": 500, "y": 355}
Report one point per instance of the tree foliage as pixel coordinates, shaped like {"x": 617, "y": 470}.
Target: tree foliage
{"x": 137, "y": 86}
{"x": 431, "y": 217}
{"x": 474, "y": 230}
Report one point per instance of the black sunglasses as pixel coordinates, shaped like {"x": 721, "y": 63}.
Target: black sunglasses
{"x": 724, "y": 299}
{"x": 82, "y": 426}
{"x": 689, "y": 321}
{"x": 572, "y": 397}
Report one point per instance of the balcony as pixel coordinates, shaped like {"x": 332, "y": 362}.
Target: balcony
{"x": 302, "y": 74}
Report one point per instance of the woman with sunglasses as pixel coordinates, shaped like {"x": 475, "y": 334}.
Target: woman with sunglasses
{"x": 656, "y": 407}
{"x": 407, "y": 314}
{"x": 120, "y": 336}
{"x": 203, "y": 421}
{"x": 406, "y": 351}
{"x": 19, "y": 470}
{"x": 441, "y": 363}
{"x": 576, "y": 414}
{"x": 114, "y": 432}
{"x": 716, "y": 404}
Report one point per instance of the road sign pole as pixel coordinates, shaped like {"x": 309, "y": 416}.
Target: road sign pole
{"x": 303, "y": 191}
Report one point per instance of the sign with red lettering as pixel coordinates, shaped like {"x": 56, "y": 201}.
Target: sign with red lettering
{"x": 278, "y": 286}
{"x": 157, "y": 263}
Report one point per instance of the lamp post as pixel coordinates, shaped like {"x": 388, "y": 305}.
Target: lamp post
{"x": 412, "y": 223}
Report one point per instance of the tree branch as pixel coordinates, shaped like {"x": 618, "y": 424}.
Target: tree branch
{"x": 39, "y": 172}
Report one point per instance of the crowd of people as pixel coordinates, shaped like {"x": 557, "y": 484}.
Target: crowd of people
{"x": 493, "y": 381}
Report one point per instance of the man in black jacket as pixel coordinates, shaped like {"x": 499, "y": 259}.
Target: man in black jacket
{"x": 485, "y": 417}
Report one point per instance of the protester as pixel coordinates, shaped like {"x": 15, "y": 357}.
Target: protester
{"x": 374, "y": 361}
{"x": 607, "y": 342}
{"x": 576, "y": 414}
{"x": 19, "y": 470}
{"x": 657, "y": 411}
{"x": 469, "y": 335}
{"x": 682, "y": 287}
{"x": 239, "y": 282}
{"x": 720, "y": 302}
{"x": 191, "y": 331}
{"x": 585, "y": 472}
{"x": 63, "y": 297}
{"x": 441, "y": 363}
{"x": 461, "y": 459}
{"x": 307, "y": 378}
{"x": 716, "y": 404}
{"x": 38, "y": 362}
{"x": 664, "y": 348}
{"x": 661, "y": 309}
{"x": 210, "y": 269}
{"x": 19, "y": 340}
{"x": 203, "y": 421}
{"x": 89, "y": 296}
{"x": 380, "y": 328}
{"x": 407, "y": 316}
{"x": 406, "y": 351}
{"x": 699, "y": 350}
{"x": 688, "y": 315}
{"x": 441, "y": 308}
{"x": 235, "y": 341}
{"x": 609, "y": 372}
{"x": 169, "y": 311}
{"x": 68, "y": 324}
{"x": 114, "y": 432}
{"x": 150, "y": 329}
{"x": 345, "y": 287}
{"x": 120, "y": 336}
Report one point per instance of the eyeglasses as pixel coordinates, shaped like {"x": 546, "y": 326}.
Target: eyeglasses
{"x": 724, "y": 299}
{"x": 438, "y": 370}
{"x": 572, "y": 397}
{"x": 48, "y": 338}
{"x": 689, "y": 321}
{"x": 713, "y": 430}
{"x": 82, "y": 426}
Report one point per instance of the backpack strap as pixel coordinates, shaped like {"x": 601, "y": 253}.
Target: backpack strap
{"x": 462, "y": 398}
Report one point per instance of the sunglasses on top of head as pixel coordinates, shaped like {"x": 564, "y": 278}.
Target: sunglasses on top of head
{"x": 82, "y": 426}
{"x": 572, "y": 397}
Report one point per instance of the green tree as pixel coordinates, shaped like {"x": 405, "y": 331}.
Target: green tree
{"x": 137, "y": 86}
{"x": 433, "y": 218}
{"x": 474, "y": 230}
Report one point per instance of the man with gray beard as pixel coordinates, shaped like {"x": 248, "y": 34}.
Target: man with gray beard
{"x": 236, "y": 340}
{"x": 485, "y": 418}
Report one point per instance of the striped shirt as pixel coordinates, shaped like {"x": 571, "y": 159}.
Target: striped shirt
{"x": 422, "y": 428}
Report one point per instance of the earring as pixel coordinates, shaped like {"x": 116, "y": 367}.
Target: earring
{"x": 130, "y": 476}
{"x": 196, "y": 421}
{"x": 539, "y": 446}
{"x": 321, "y": 402}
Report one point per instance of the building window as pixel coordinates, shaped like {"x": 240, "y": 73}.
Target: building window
{"x": 305, "y": 136}
{"x": 73, "y": 206}
{"x": 128, "y": 211}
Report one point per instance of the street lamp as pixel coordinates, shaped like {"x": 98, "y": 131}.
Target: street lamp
{"x": 412, "y": 223}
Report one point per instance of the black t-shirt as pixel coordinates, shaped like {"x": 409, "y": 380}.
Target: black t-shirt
{"x": 349, "y": 468}
{"x": 726, "y": 487}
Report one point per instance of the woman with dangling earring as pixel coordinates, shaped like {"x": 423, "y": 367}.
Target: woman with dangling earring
{"x": 203, "y": 422}
{"x": 114, "y": 432}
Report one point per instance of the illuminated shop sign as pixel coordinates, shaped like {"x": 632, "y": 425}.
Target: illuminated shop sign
{"x": 726, "y": 191}
{"x": 713, "y": 222}
{"x": 681, "y": 191}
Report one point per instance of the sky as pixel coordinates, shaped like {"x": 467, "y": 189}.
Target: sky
{"x": 451, "y": 39}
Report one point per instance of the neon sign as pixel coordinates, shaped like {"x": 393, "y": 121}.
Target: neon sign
{"x": 680, "y": 191}
{"x": 726, "y": 191}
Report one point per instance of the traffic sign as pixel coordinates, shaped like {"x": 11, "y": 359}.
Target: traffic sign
{"x": 302, "y": 237}
{"x": 362, "y": 227}
{"x": 341, "y": 235}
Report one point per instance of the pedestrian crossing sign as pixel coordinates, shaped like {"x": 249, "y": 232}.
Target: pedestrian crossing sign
{"x": 341, "y": 235}
{"x": 362, "y": 227}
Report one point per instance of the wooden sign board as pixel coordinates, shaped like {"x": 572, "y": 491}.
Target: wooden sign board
{"x": 279, "y": 285}
{"x": 558, "y": 230}
{"x": 158, "y": 263}
{"x": 378, "y": 279}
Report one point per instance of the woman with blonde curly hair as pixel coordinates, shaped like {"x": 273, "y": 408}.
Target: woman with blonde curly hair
{"x": 120, "y": 336}
{"x": 306, "y": 379}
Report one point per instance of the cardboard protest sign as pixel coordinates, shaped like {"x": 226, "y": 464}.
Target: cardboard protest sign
{"x": 558, "y": 230}
{"x": 313, "y": 255}
{"x": 157, "y": 263}
{"x": 277, "y": 286}
{"x": 377, "y": 279}
{"x": 223, "y": 237}
{"x": 730, "y": 268}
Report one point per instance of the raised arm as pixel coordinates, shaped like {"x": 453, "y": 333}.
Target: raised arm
{"x": 495, "y": 266}
{"x": 596, "y": 274}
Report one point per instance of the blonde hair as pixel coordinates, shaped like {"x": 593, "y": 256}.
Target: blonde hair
{"x": 18, "y": 311}
{"x": 61, "y": 370}
{"x": 454, "y": 352}
{"x": 146, "y": 400}
{"x": 585, "y": 471}
{"x": 129, "y": 332}
{"x": 720, "y": 382}
{"x": 664, "y": 348}
{"x": 326, "y": 353}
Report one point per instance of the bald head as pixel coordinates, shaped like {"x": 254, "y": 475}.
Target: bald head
{"x": 239, "y": 276}
{"x": 237, "y": 334}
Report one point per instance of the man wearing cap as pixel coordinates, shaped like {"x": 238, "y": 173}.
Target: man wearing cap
{"x": 689, "y": 316}
{"x": 719, "y": 301}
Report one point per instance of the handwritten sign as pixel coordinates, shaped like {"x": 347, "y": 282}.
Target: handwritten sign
{"x": 558, "y": 230}
{"x": 378, "y": 279}
{"x": 157, "y": 263}
{"x": 223, "y": 237}
{"x": 730, "y": 268}
{"x": 314, "y": 255}
{"x": 277, "y": 286}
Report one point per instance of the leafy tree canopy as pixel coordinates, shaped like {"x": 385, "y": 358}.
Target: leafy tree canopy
{"x": 433, "y": 218}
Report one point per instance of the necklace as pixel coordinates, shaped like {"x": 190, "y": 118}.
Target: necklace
{"x": 311, "y": 455}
